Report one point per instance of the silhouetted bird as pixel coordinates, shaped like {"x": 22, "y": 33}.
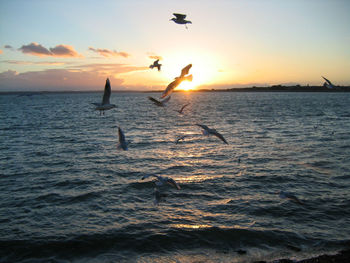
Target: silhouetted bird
{"x": 123, "y": 144}
{"x": 105, "y": 105}
{"x": 182, "y": 108}
{"x": 207, "y": 131}
{"x": 169, "y": 89}
{"x": 163, "y": 180}
{"x": 328, "y": 84}
{"x": 180, "y": 19}
{"x": 156, "y": 65}
{"x": 159, "y": 103}
{"x": 181, "y": 138}
{"x": 290, "y": 196}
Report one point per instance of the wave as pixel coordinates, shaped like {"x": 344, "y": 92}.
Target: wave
{"x": 141, "y": 240}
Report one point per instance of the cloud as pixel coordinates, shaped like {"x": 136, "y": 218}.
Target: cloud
{"x": 36, "y": 49}
{"x": 64, "y": 51}
{"x": 79, "y": 77}
{"x": 21, "y": 62}
{"x": 8, "y": 47}
{"x": 154, "y": 56}
{"x": 0, "y": 51}
{"x": 54, "y": 79}
{"x": 109, "y": 53}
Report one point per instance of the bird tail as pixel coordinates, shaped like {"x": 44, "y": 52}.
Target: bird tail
{"x": 188, "y": 78}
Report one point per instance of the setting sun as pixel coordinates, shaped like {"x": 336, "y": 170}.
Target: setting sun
{"x": 203, "y": 70}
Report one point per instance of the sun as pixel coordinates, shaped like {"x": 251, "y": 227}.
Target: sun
{"x": 186, "y": 86}
{"x": 203, "y": 69}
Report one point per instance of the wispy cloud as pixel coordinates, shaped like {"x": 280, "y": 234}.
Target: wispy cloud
{"x": 109, "y": 69}
{"x": 54, "y": 79}
{"x": 36, "y": 49}
{"x": 109, "y": 53}
{"x": 79, "y": 77}
{"x": 8, "y": 47}
{"x": 21, "y": 62}
{"x": 154, "y": 56}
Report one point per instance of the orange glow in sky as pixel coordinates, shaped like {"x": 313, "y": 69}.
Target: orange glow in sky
{"x": 229, "y": 43}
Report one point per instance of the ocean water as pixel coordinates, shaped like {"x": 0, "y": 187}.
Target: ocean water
{"x": 67, "y": 194}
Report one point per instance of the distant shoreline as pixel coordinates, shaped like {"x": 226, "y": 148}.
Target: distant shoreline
{"x": 275, "y": 88}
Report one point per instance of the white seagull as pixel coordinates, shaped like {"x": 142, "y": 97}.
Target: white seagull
{"x": 290, "y": 196}
{"x": 207, "y": 131}
{"x": 182, "y": 108}
{"x": 163, "y": 180}
{"x": 328, "y": 83}
{"x": 180, "y": 19}
{"x": 105, "y": 105}
{"x": 169, "y": 89}
{"x": 159, "y": 103}
{"x": 123, "y": 144}
{"x": 156, "y": 65}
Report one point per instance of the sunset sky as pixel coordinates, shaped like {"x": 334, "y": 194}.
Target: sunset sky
{"x": 76, "y": 45}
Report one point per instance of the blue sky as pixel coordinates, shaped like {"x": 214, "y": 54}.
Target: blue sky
{"x": 230, "y": 43}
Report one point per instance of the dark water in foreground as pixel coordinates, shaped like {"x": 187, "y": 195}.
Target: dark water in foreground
{"x": 68, "y": 194}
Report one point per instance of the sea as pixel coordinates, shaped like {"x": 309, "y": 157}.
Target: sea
{"x": 69, "y": 194}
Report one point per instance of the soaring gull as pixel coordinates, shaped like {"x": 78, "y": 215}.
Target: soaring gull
{"x": 163, "y": 180}
{"x": 123, "y": 144}
{"x": 105, "y": 105}
{"x": 159, "y": 103}
{"x": 328, "y": 83}
{"x": 182, "y": 108}
{"x": 156, "y": 65}
{"x": 290, "y": 196}
{"x": 180, "y": 19}
{"x": 169, "y": 89}
{"x": 181, "y": 138}
{"x": 207, "y": 131}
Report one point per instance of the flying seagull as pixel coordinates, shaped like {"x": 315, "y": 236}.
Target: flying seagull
{"x": 105, "y": 105}
{"x": 159, "y": 103}
{"x": 207, "y": 131}
{"x": 290, "y": 196}
{"x": 328, "y": 83}
{"x": 123, "y": 144}
{"x": 163, "y": 180}
{"x": 182, "y": 108}
{"x": 156, "y": 65}
{"x": 180, "y": 19}
{"x": 181, "y": 138}
{"x": 169, "y": 89}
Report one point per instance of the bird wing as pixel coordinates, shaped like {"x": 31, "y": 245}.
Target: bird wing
{"x": 185, "y": 70}
{"x": 121, "y": 136}
{"x": 148, "y": 175}
{"x": 179, "y": 16}
{"x": 107, "y": 93}
{"x": 205, "y": 127}
{"x": 172, "y": 182}
{"x": 217, "y": 134}
{"x": 165, "y": 100}
{"x": 157, "y": 102}
{"x": 156, "y": 62}
{"x": 328, "y": 81}
{"x": 170, "y": 87}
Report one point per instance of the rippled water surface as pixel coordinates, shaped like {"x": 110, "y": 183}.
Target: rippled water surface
{"x": 68, "y": 193}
